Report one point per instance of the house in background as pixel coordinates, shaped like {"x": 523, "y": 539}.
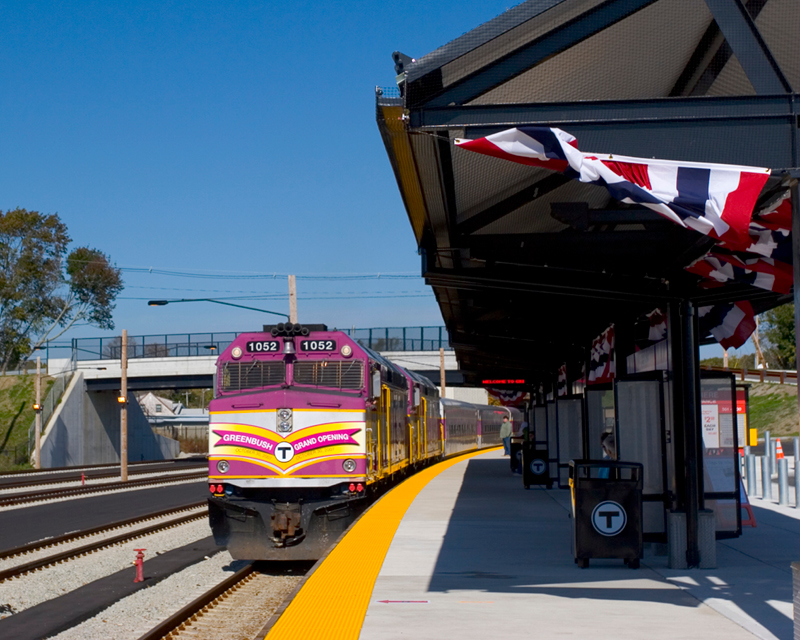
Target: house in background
{"x": 173, "y": 419}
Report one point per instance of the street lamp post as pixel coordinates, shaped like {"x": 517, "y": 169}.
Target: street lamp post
{"x": 161, "y": 303}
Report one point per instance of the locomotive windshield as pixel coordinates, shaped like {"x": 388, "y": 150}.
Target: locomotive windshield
{"x": 239, "y": 376}
{"x": 337, "y": 374}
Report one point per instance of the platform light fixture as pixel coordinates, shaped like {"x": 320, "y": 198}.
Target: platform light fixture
{"x": 122, "y": 399}
{"x": 37, "y": 407}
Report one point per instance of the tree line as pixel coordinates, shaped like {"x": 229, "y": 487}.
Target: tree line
{"x": 45, "y": 289}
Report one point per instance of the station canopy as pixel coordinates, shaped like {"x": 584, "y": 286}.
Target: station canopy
{"x": 531, "y": 261}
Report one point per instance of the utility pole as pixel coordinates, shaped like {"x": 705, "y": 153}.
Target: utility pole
{"x": 757, "y": 343}
{"x": 38, "y": 408}
{"x": 441, "y": 372}
{"x": 292, "y": 300}
{"x": 123, "y": 416}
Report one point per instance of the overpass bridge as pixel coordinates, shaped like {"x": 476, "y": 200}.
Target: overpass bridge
{"x": 183, "y": 361}
{"x": 82, "y": 417}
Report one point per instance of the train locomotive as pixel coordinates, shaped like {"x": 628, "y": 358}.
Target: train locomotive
{"x": 307, "y": 427}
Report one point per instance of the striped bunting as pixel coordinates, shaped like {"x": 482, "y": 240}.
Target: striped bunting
{"x": 714, "y": 199}
{"x": 730, "y": 324}
{"x": 601, "y": 361}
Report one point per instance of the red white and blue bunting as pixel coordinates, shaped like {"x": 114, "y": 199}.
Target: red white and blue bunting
{"x": 714, "y": 199}
{"x": 601, "y": 361}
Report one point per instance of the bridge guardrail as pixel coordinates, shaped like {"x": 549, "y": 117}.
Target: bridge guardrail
{"x": 205, "y": 344}
{"x": 764, "y": 375}
{"x": 59, "y": 386}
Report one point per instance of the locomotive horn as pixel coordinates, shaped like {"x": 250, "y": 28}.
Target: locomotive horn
{"x": 281, "y": 327}
{"x": 304, "y": 331}
{"x": 274, "y": 332}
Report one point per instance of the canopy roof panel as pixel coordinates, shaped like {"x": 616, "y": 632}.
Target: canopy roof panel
{"x": 529, "y": 266}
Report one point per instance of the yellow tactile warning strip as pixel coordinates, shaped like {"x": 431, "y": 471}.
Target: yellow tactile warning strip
{"x": 332, "y": 603}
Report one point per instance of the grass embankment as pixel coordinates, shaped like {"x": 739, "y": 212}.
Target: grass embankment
{"x": 774, "y": 407}
{"x": 16, "y": 416}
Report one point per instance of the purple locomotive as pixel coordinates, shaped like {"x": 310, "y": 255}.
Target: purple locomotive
{"x": 307, "y": 426}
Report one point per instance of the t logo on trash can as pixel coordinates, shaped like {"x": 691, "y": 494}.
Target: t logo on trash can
{"x": 537, "y": 467}
{"x": 609, "y": 518}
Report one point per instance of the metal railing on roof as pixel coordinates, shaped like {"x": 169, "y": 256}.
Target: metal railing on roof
{"x": 401, "y": 338}
{"x": 182, "y": 345}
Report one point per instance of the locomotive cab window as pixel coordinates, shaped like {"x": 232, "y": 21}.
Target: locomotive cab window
{"x": 239, "y": 376}
{"x": 337, "y": 374}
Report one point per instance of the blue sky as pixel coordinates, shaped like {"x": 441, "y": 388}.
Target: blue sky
{"x": 226, "y": 138}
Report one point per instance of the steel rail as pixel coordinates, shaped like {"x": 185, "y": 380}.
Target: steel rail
{"x": 98, "y": 476}
{"x": 95, "y": 546}
{"x": 83, "y": 533}
{"x": 38, "y": 496}
{"x": 87, "y": 466}
{"x": 199, "y": 605}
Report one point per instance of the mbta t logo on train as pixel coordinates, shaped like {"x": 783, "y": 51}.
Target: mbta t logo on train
{"x": 609, "y": 518}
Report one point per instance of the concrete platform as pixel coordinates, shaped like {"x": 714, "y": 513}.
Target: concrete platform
{"x": 477, "y": 556}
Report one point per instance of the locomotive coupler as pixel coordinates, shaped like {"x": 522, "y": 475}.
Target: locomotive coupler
{"x": 285, "y": 522}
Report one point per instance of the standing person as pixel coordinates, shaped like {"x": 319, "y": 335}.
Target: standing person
{"x": 609, "y": 444}
{"x": 505, "y": 434}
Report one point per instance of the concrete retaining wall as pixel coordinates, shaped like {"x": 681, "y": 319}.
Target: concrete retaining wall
{"x": 85, "y": 429}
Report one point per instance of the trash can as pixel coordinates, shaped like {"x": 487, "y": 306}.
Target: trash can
{"x": 535, "y": 469}
{"x": 515, "y": 459}
{"x": 606, "y": 510}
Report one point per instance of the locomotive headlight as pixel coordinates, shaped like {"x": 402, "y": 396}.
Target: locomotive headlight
{"x": 223, "y": 466}
{"x": 346, "y": 351}
{"x": 284, "y": 420}
{"x": 236, "y": 353}
{"x": 349, "y": 465}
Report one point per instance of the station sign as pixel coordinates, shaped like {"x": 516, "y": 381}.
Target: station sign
{"x": 496, "y": 381}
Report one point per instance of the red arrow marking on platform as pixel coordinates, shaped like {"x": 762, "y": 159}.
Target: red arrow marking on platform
{"x": 404, "y": 601}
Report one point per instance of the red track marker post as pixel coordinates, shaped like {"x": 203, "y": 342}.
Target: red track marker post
{"x": 139, "y": 565}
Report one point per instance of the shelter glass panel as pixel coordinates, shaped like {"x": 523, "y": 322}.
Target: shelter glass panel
{"x": 570, "y": 435}
{"x": 552, "y": 437}
{"x": 640, "y": 438}
{"x": 720, "y": 451}
{"x": 599, "y": 418}
{"x": 540, "y": 425}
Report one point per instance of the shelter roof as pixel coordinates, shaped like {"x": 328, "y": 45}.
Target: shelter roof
{"x": 529, "y": 266}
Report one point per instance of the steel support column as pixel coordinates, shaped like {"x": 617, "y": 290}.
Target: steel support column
{"x": 686, "y": 405}
{"x": 795, "y": 190}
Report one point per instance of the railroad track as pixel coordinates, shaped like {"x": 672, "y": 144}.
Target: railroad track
{"x": 92, "y": 475}
{"x": 239, "y": 606}
{"x": 91, "y": 547}
{"x": 87, "y": 467}
{"x": 39, "y": 496}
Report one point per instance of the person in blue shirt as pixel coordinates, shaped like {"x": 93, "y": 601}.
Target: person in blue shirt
{"x": 609, "y": 444}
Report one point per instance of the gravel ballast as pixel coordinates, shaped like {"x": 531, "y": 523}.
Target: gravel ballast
{"x": 8, "y": 563}
{"x": 133, "y": 616}
{"x": 31, "y": 589}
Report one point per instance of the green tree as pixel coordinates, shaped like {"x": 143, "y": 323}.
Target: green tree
{"x": 777, "y": 336}
{"x": 42, "y": 294}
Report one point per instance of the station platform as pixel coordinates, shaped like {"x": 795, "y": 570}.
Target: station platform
{"x": 462, "y": 550}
